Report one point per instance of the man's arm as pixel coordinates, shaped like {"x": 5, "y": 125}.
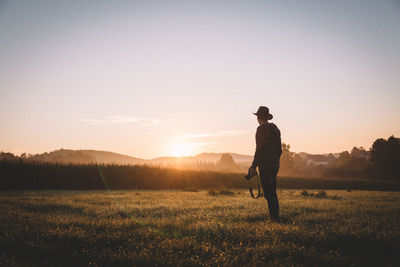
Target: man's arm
{"x": 260, "y": 141}
{"x": 279, "y": 143}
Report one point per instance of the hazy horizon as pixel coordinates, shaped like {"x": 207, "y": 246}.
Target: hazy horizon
{"x": 169, "y": 78}
{"x": 176, "y": 156}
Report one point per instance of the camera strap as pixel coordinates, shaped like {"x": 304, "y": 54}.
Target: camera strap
{"x": 258, "y": 187}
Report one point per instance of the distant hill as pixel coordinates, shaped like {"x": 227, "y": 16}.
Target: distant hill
{"x": 95, "y": 156}
{"x": 85, "y": 156}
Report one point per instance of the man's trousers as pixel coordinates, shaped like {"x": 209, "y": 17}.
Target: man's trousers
{"x": 268, "y": 181}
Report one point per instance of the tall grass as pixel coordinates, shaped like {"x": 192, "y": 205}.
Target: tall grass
{"x": 20, "y": 175}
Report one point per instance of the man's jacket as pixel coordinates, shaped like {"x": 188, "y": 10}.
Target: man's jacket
{"x": 268, "y": 147}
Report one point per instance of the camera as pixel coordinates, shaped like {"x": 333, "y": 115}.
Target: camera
{"x": 249, "y": 176}
{"x": 252, "y": 172}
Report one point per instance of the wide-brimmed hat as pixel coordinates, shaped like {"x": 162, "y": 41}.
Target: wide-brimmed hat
{"x": 263, "y": 113}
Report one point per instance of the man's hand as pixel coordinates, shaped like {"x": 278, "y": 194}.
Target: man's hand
{"x": 252, "y": 171}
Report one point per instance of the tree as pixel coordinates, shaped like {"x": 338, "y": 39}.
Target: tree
{"x": 385, "y": 158}
{"x": 287, "y": 163}
{"x": 226, "y": 163}
{"x": 299, "y": 162}
{"x": 344, "y": 157}
{"x": 359, "y": 152}
{"x": 352, "y": 164}
{"x": 7, "y": 156}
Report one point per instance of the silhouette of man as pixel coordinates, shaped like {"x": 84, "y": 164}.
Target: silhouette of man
{"x": 266, "y": 158}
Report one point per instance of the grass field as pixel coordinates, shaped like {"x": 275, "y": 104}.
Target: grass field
{"x": 356, "y": 228}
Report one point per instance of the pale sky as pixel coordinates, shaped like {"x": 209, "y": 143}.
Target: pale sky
{"x": 156, "y": 78}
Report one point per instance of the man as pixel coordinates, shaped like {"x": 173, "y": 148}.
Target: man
{"x": 266, "y": 158}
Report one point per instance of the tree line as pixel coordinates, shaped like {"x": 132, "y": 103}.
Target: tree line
{"x": 381, "y": 161}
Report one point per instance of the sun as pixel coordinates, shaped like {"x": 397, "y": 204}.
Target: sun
{"x": 180, "y": 149}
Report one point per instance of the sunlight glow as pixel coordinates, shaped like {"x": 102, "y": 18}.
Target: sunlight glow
{"x": 180, "y": 149}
